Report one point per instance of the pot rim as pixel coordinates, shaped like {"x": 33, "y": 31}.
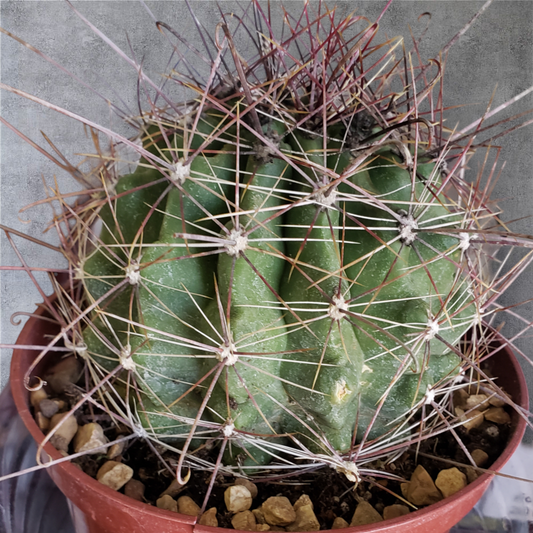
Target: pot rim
{"x": 21, "y": 398}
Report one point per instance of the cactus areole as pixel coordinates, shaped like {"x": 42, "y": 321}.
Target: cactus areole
{"x": 286, "y": 273}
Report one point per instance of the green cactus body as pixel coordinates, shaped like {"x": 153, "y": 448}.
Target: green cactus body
{"x": 320, "y": 323}
{"x": 249, "y": 392}
{"x": 177, "y": 284}
{"x": 120, "y": 240}
{"x": 178, "y": 141}
{"x": 403, "y": 289}
{"x": 131, "y": 209}
{"x": 121, "y": 229}
{"x": 327, "y": 389}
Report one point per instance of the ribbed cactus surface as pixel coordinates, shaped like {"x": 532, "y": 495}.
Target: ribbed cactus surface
{"x": 265, "y": 283}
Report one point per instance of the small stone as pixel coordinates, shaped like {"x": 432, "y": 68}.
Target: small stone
{"x": 459, "y": 398}
{"x": 135, "y": 489}
{"x": 262, "y": 527}
{"x": 65, "y": 432}
{"x": 187, "y": 505}
{"x": 474, "y": 419}
{"x": 339, "y": 523}
{"x": 471, "y": 474}
{"x": 304, "y": 499}
{"x": 480, "y": 457}
{"x": 114, "y": 475}
{"x": 42, "y": 421}
{"x": 450, "y": 481}
{"x": 36, "y": 396}
{"x": 173, "y": 489}
{"x": 365, "y": 514}
{"x": 244, "y": 520}
{"x": 470, "y": 421}
{"x": 259, "y": 516}
{"x": 422, "y": 489}
{"x": 167, "y": 503}
{"x": 209, "y": 518}
{"x": 237, "y": 498}
{"x": 115, "y": 450}
{"x": 89, "y": 437}
{"x": 305, "y": 519}
{"x": 497, "y": 402}
{"x": 64, "y": 373}
{"x": 395, "y": 511}
{"x": 48, "y": 407}
{"x": 497, "y": 415}
{"x": 278, "y": 511}
{"x": 404, "y": 487}
{"x": 252, "y": 487}
{"x": 477, "y": 401}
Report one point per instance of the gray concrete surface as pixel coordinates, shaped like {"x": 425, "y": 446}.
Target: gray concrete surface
{"x": 495, "y": 54}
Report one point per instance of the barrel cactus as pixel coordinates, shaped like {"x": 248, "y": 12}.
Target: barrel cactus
{"x": 294, "y": 260}
{"x": 290, "y": 261}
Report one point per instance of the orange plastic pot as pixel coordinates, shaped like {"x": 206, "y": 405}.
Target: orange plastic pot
{"x": 98, "y": 509}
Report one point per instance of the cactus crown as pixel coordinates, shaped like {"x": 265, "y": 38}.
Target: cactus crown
{"x": 290, "y": 268}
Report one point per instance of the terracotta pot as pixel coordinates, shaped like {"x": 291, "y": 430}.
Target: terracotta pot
{"x": 98, "y": 509}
